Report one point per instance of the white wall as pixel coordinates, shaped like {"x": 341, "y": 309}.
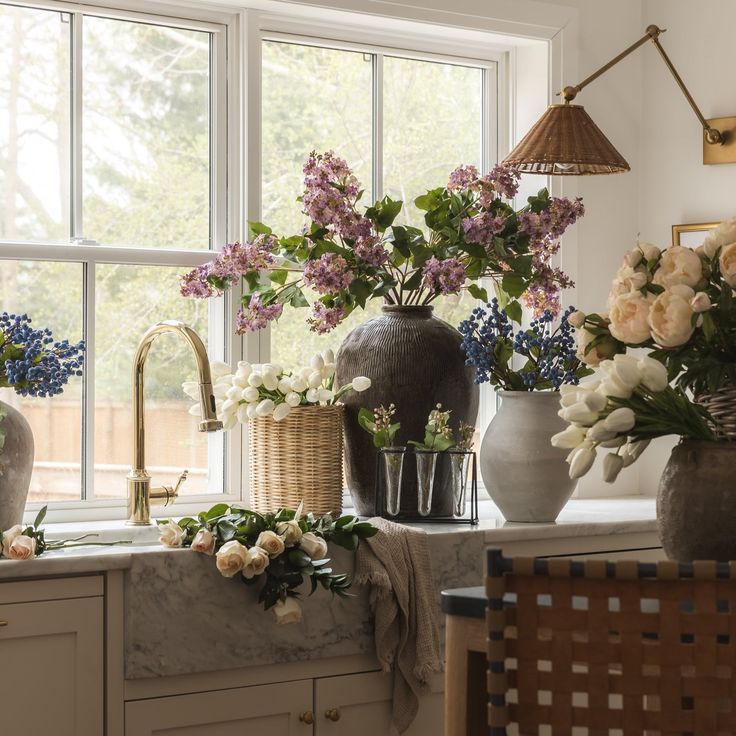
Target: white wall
{"x": 675, "y": 185}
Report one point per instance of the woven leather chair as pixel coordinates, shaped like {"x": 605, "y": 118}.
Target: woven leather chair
{"x": 600, "y": 648}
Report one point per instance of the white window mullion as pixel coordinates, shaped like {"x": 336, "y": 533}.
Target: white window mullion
{"x": 377, "y": 126}
{"x": 77, "y": 225}
{"x": 88, "y": 393}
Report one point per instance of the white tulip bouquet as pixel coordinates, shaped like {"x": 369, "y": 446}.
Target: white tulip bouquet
{"x": 267, "y": 390}
{"x": 623, "y": 409}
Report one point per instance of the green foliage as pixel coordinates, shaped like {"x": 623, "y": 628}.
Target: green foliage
{"x": 383, "y": 436}
{"x": 292, "y": 567}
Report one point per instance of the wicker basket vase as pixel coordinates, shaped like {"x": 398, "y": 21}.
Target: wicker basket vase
{"x": 297, "y": 459}
{"x": 721, "y": 405}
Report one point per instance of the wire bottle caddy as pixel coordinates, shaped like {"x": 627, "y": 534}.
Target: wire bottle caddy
{"x": 463, "y": 477}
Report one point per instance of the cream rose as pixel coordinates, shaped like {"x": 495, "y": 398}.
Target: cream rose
{"x": 231, "y": 558}
{"x": 171, "y": 534}
{"x": 727, "y": 261}
{"x": 314, "y": 546}
{"x": 204, "y": 542}
{"x": 629, "y": 314}
{"x": 671, "y": 317}
{"x": 22, "y": 548}
{"x": 651, "y": 252}
{"x": 678, "y": 265}
{"x": 256, "y": 563}
{"x": 8, "y": 536}
{"x": 288, "y": 611}
{"x": 290, "y": 531}
{"x": 628, "y": 279}
{"x": 271, "y": 542}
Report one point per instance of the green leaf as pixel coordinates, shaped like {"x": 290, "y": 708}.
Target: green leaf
{"x": 413, "y": 281}
{"x": 514, "y": 312}
{"x": 365, "y": 420}
{"x": 514, "y": 285}
{"x": 226, "y": 530}
{"x": 279, "y": 277}
{"x": 258, "y": 228}
{"x": 40, "y": 517}
{"x": 298, "y": 299}
{"x": 361, "y": 290}
{"x": 477, "y": 292}
{"x": 219, "y": 509}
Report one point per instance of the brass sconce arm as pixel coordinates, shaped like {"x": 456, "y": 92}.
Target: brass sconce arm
{"x": 712, "y": 135}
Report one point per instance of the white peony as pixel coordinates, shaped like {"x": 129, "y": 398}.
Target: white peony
{"x": 629, "y": 315}
{"x": 678, "y": 265}
{"x": 670, "y": 317}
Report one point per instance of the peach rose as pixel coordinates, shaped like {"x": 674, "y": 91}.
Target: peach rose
{"x": 629, "y": 317}
{"x": 271, "y": 542}
{"x": 8, "y": 536}
{"x": 678, "y": 265}
{"x": 605, "y": 349}
{"x": 314, "y": 546}
{"x": 670, "y": 317}
{"x": 204, "y": 542}
{"x": 22, "y": 548}
{"x": 257, "y": 562}
{"x": 727, "y": 261}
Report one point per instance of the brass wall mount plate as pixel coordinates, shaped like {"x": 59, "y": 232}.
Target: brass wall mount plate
{"x": 721, "y": 153}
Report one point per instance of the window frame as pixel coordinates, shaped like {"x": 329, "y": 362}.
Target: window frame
{"x": 495, "y": 107}
{"x": 225, "y": 225}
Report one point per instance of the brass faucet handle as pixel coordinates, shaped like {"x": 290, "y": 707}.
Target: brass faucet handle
{"x": 164, "y": 495}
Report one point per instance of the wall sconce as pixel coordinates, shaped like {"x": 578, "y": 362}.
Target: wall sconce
{"x": 566, "y": 141}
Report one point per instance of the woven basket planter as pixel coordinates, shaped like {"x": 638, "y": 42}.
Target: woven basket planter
{"x": 297, "y": 459}
{"x": 721, "y": 405}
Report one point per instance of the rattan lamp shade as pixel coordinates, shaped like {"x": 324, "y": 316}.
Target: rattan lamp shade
{"x": 566, "y": 141}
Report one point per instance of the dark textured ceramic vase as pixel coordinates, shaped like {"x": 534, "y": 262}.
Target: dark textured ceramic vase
{"x": 696, "y": 504}
{"x": 414, "y": 361}
{"x": 16, "y": 464}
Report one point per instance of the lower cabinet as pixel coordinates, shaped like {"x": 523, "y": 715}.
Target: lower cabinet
{"x": 283, "y": 709}
{"x": 52, "y": 674}
{"x": 346, "y": 705}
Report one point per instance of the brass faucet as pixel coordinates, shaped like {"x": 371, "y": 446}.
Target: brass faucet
{"x": 140, "y": 493}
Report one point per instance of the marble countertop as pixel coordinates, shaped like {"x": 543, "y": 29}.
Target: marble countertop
{"x": 580, "y": 518}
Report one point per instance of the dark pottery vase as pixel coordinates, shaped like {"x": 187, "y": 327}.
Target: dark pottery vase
{"x": 414, "y": 361}
{"x": 16, "y": 465}
{"x": 696, "y": 503}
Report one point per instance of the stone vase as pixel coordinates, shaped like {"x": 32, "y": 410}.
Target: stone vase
{"x": 524, "y": 475}
{"x": 415, "y": 361}
{"x": 16, "y": 465}
{"x": 696, "y": 503}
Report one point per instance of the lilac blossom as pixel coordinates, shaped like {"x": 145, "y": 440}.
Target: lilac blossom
{"x": 256, "y": 315}
{"x": 328, "y": 274}
{"x": 500, "y": 181}
{"x": 195, "y": 284}
{"x": 543, "y": 294}
{"x": 481, "y": 228}
{"x": 445, "y": 277}
{"x": 370, "y": 250}
{"x": 464, "y": 177}
{"x": 324, "y": 319}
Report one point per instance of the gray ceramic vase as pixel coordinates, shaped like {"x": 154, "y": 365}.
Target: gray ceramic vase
{"x": 525, "y": 476}
{"x": 414, "y": 361}
{"x": 16, "y": 465}
{"x": 696, "y": 504}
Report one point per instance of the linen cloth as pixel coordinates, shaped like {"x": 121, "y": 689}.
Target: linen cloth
{"x": 395, "y": 564}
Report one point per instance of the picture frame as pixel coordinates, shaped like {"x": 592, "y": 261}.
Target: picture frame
{"x": 692, "y": 235}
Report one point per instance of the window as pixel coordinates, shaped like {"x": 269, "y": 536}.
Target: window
{"x": 110, "y": 152}
{"x": 403, "y": 122}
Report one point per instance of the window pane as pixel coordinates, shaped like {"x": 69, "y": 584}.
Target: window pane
{"x": 51, "y": 295}
{"x": 34, "y": 124}
{"x": 130, "y": 299}
{"x": 146, "y": 134}
{"x": 432, "y": 122}
{"x": 313, "y": 99}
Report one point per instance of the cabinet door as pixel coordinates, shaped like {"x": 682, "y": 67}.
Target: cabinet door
{"x": 361, "y": 705}
{"x": 264, "y": 709}
{"x": 51, "y": 678}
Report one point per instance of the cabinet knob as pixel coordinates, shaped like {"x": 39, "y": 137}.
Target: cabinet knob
{"x": 3, "y": 623}
{"x": 332, "y": 714}
{"x": 307, "y": 717}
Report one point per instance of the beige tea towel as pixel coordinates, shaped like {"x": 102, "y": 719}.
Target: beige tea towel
{"x": 396, "y": 564}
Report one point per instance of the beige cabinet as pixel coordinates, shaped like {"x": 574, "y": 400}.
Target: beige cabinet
{"x": 283, "y": 709}
{"x": 51, "y": 649}
{"x": 360, "y": 705}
